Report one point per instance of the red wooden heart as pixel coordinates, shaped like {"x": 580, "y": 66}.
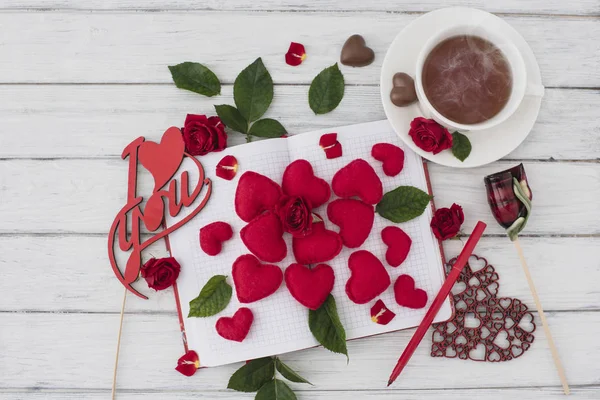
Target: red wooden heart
{"x": 254, "y": 195}
{"x": 406, "y": 293}
{"x": 254, "y": 281}
{"x": 213, "y": 235}
{"x": 398, "y": 243}
{"x": 354, "y": 218}
{"x": 358, "y": 178}
{"x": 368, "y": 277}
{"x": 237, "y": 327}
{"x": 162, "y": 159}
{"x": 320, "y": 246}
{"x": 299, "y": 180}
{"x": 391, "y": 156}
{"x": 310, "y": 287}
{"x": 263, "y": 236}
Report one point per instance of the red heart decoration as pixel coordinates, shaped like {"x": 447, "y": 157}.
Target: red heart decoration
{"x": 398, "y": 243}
{"x": 254, "y": 195}
{"x": 368, "y": 277}
{"x": 299, "y": 180}
{"x": 358, "y": 178}
{"x": 391, "y": 156}
{"x": 354, "y": 218}
{"x": 254, "y": 281}
{"x": 320, "y": 246}
{"x": 310, "y": 287}
{"x": 213, "y": 235}
{"x": 406, "y": 293}
{"x": 263, "y": 236}
{"x": 237, "y": 327}
{"x": 162, "y": 159}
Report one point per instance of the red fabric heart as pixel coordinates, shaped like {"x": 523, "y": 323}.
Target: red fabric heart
{"x": 213, "y": 235}
{"x": 310, "y": 287}
{"x": 354, "y": 218}
{"x": 299, "y": 180}
{"x": 254, "y": 281}
{"x": 162, "y": 159}
{"x": 358, "y": 178}
{"x": 406, "y": 293}
{"x": 237, "y": 327}
{"x": 398, "y": 243}
{"x": 263, "y": 236}
{"x": 255, "y": 194}
{"x": 320, "y": 246}
{"x": 391, "y": 156}
{"x": 369, "y": 278}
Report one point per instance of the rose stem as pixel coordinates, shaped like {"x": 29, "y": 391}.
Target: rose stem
{"x": 540, "y": 310}
{"x": 114, "y": 384}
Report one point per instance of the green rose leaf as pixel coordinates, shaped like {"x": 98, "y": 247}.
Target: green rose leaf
{"x": 267, "y": 128}
{"x": 213, "y": 298}
{"x": 289, "y": 373}
{"x": 253, "y": 91}
{"x": 403, "y": 204}
{"x": 253, "y": 375}
{"x": 275, "y": 390}
{"x": 232, "y": 118}
{"x": 196, "y": 78}
{"x": 326, "y": 327}
{"x": 461, "y": 146}
{"x": 326, "y": 90}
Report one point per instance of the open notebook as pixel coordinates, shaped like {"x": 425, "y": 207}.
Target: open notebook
{"x": 280, "y": 323}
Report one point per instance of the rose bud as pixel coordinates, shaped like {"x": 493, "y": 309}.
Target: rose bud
{"x": 446, "y": 222}
{"x": 295, "y": 54}
{"x": 160, "y": 273}
{"x": 430, "y": 136}
{"x": 188, "y": 363}
{"x": 295, "y": 215}
{"x": 509, "y": 197}
{"x": 203, "y": 135}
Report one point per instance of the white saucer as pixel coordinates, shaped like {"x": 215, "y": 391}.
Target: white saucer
{"x": 488, "y": 145}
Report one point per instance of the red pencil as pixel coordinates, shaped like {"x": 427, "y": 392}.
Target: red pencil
{"x": 458, "y": 266}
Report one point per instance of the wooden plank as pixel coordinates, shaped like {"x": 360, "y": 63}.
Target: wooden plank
{"x": 98, "y": 120}
{"x": 76, "y": 351}
{"x": 138, "y": 47}
{"x": 75, "y": 267}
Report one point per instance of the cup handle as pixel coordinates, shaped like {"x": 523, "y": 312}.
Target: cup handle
{"x": 533, "y": 89}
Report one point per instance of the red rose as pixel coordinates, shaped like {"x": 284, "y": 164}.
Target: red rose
{"x": 446, "y": 222}
{"x": 429, "y": 135}
{"x": 295, "y": 214}
{"x": 203, "y": 135}
{"x": 160, "y": 273}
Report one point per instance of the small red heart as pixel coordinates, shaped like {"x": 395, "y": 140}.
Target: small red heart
{"x": 263, "y": 236}
{"x": 254, "y": 195}
{"x": 354, "y": 218}
{"x": 320, "y": 246}
{"x": 299, "y": 180}
{"x": 398, "y": 243}
{"x": 310, "y": 287}
{"x": 213, "y": 235}
{"x": 368, "y": 277}
{"x": 406, "y": 293}
{"x": 162, "y": 159}
{"x": 237, "y": 327}
{"x": 254, "y": 281}
{"x": 358, "y": 178}
{"x": 391, "y": 156}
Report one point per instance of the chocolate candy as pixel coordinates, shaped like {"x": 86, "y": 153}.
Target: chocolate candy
{"x": 403, "y": 93}
{"x": 355, "y": 52}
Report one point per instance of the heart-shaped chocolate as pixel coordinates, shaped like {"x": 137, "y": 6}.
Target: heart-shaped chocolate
{"x": 403, "y": 93}
{"x": 355, "y": 52}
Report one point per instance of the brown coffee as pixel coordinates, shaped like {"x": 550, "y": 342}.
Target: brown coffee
{"x": 467, "y": 79}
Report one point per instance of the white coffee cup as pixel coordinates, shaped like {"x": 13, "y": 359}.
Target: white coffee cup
{"x": 520, "y": 85}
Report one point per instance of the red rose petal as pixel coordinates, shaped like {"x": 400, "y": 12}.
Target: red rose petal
{"x": 295, "y": 55}
{"x": 380, "y": 314}
{"x": 227, "y": 168}
{"x": 331, "y": 146}
{"x": 328, "y": 140}
{"x": 188, "y": 364}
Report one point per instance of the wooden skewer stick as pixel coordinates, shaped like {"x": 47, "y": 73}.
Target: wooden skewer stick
{"x": 540, "y": 310}
{"x": 114, "y": 384}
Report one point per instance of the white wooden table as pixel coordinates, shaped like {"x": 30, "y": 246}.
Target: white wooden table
{"x": 79, "y": 80}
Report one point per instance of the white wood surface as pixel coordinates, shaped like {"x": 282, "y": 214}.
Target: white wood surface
{"x": 79, "y": 80}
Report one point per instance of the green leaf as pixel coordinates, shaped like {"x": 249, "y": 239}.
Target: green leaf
{"x": 232, "y": 118}
{"x": 253, "y": 91}
{"x": 327, "y": 328}
{"x": 275, "y": 390}
{"x": 289, "y": 373}
{"x": 195, "y": 77}
{"x": 253, "y": 375}
{"x": 326, "y": 90}
{"x": 461, "y": 146}
{"x": 213, "y": 298}
{"x": 267, "y": 128}
{"x": 403, "y": 204}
